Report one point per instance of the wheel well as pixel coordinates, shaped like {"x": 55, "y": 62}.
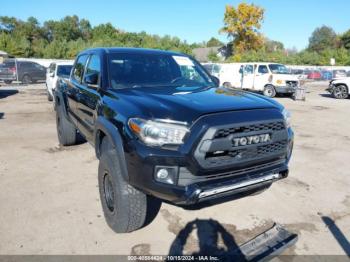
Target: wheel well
{"x": 98, "y": 142}
{"x": 269, "y": 85}
{"x": 342, "y": 84}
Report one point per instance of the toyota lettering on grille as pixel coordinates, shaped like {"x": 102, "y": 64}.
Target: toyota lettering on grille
{"x": 248, "y": 140}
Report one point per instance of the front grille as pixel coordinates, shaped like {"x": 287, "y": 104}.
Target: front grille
{"x": 245, "y": 154}
{"x": 272, "y": 148}
{"x": 273, "y": 126}
{"x": 217, "y": 148}
{"x": 292, "y": 83}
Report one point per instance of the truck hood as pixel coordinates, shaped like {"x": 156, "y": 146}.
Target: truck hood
{"x": 340, "y": 79}
{"x": 285, "y": 77}
{"x": 187, "y": 104}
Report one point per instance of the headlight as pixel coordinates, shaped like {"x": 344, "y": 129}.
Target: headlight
{"x": 287, "y": 117}
{"x": 158, "y": 132}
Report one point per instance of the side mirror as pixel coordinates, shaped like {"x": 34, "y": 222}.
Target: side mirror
{"x": 91, "y": 79}
{"x": 216, "y": 80}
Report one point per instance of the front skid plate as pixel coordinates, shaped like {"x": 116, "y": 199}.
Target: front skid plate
{"x": 267, "y": 245}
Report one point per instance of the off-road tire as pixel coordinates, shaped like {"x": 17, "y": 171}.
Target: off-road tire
{"x": 66, "y": 131}
{"x": 269, "y": 91}
{"x": 125, "y": 209}
{"x": 340, "y": 92}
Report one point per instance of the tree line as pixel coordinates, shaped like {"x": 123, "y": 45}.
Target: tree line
{"x": 66, "y": 37}
{"x": 70, "y": 35}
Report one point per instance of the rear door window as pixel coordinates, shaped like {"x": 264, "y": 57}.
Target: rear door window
{"x": 263, "y": 69}
{"x": 248, "y": 69}
{"x": 93, "y": 67}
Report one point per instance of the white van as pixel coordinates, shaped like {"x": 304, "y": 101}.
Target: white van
{"x": 269, "y": 78}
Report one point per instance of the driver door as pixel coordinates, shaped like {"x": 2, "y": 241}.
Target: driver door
{"x": 248, "y": 76}
{"x": 261, "y": 77}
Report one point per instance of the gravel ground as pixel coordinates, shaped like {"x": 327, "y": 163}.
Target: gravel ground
{"x": 50, "y": 203}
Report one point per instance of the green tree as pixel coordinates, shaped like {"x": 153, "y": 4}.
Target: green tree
{"x": 322, "y": 38}
{"x": 272, "y": 45}
{"x": 213, "y": 42}
{"x": 242, "y": 26}
{"x": 345, "y": 39}
{"x": 213, "y": 57}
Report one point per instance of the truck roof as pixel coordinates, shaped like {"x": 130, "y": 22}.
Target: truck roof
{"x": 108, "y": 50}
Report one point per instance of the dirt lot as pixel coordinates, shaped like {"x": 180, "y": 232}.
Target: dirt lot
{"x": 50, "y": 203}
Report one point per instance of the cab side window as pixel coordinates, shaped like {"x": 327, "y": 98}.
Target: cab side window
{"x": 79, "y": 68}
{"x": 93, "y": 71}
{"x": 248, "y": 69}
{"x": 263, "y": 69}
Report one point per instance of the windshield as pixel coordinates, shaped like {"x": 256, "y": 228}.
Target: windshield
{"x": 64, "y": 70}
{"x": 278, "y": 69}
{"x": 128, "y": 70}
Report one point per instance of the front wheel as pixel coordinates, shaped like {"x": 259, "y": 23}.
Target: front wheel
{"x": 269, "y": 91}
{"x": 124, "y": 207}
{"x": 8, "y": 82}
{"x": 340, "y": 92}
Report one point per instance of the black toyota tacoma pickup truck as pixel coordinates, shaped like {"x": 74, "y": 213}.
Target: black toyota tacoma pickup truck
{"x": 163, "y": 129}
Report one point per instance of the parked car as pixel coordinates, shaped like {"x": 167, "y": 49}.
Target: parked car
{"x": 339, "y": 73}
{"x": 314, "y": 75}
{"x": 55, "y": 72}
{"x": 8, "y": 71}
{"x": 162, "y": 128}
{"x": 339, "y": 88}
{"x": 326, "y": 75}
{"x": 23, "y": 71}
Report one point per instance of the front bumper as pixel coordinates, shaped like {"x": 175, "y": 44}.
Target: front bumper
{"x": 285, "y": 89}
{"x": 203, "y": 176}
{"x": 11, "y": 78}
{"x": 193, "y": 188}
{"x": 330, "y": 88}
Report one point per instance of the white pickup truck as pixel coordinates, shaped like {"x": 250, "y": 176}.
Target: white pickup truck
{"x": 268, "y": 78}
{"x": 339, "y": 88}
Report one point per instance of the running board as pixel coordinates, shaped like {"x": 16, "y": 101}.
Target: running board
{"x": 267, "y": 245}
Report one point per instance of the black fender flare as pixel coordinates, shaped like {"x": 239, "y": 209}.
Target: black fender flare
{"x": 112, "y": 132}
{"x": 60, "y": 101}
